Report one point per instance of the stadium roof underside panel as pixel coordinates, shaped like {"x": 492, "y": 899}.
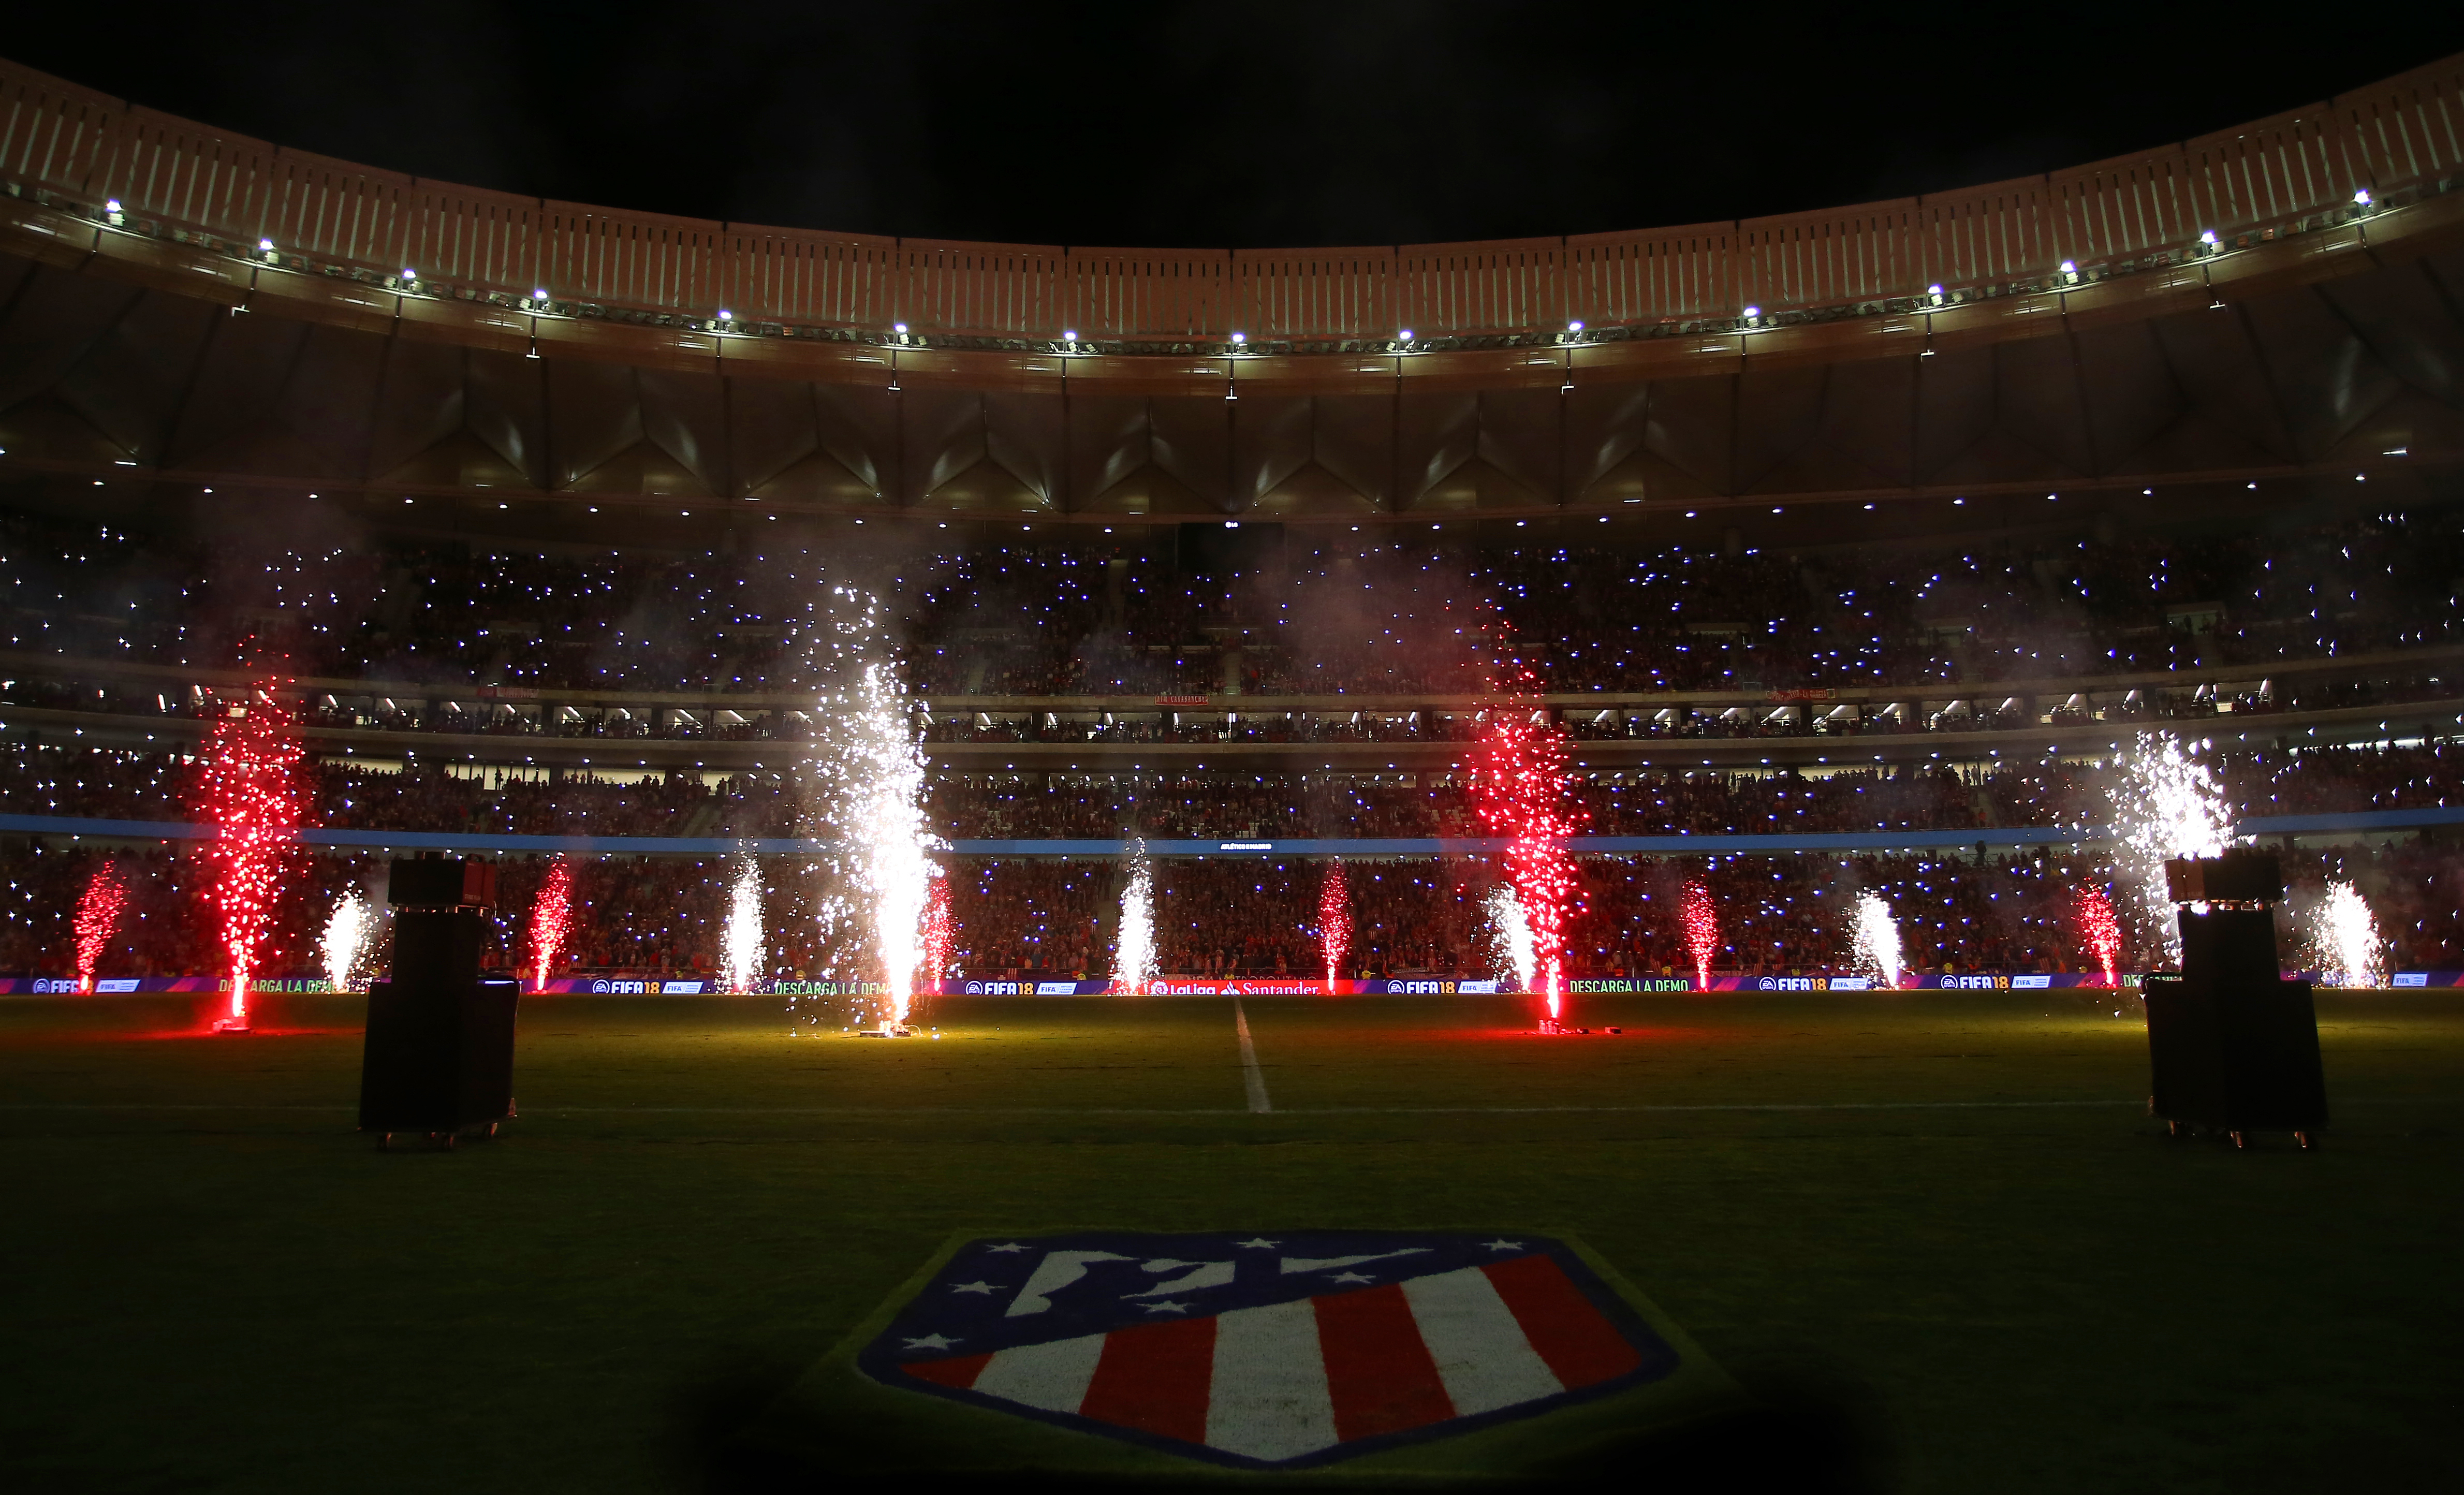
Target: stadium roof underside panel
{"x": 181, "y": 309}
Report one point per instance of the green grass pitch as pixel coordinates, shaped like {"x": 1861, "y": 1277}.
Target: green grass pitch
{"x": 1937, "y": 1232}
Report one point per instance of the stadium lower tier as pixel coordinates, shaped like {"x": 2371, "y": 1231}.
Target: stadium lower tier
{"x": 1056, "y": 919}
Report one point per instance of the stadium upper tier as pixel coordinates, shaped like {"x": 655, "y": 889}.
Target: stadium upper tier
{"x": 2273, "y": 303}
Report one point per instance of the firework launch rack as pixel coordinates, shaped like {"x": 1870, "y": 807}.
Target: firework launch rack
{"x": 438, "y": 1061}
{"x": 2232, "y": 1047}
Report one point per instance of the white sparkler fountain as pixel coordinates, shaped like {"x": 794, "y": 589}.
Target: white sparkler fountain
{"x": 2167, "y": 804}
{"x": 1134, "y": 963}
{"x": 1876, "y": 936}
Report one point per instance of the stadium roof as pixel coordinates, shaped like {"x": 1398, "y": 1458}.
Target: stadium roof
{"x": 2276, "y": 303}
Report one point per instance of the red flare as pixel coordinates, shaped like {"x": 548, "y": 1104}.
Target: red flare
{"x": 938, "y": 930}
{"x": 1702, "y": 932}
{"x": 252, "y": 793}
{"x": 97, "y": 914}
{"x": 551, "y": 921}
{"x": 2099, "y": 930}
{"x": 1523, "y": 792}
{"x": 1334, "y": 921}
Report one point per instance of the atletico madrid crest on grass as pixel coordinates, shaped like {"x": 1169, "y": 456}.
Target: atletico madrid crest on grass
{"x": 1268, "y": 1350}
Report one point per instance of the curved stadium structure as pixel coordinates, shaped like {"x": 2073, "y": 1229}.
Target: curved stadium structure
{"x": 1864, "y": 532}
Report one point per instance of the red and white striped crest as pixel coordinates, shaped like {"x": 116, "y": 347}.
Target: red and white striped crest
{"x": 1292, "y": 1349}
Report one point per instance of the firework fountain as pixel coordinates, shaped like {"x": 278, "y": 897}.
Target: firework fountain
{"x": 862, "y": 789}
{"x": 348, "y": 936}
{"x": 551, "y": 921}
{"x": 1520, "y": 787}
{"x": 1878, "y": 938}
{"x": 2165, "y": 804}
{"x": 1701, "y": 921}
{"x": 1133, "y": 957}
{"x": 2099, "y": 930}
{"x": 741, "y": 948}
{"x": 940, "y": 933}
{"x": 1334, "y": 921}
{"x": 2345, "y": 933}
{"x": 1511, "y": 934}
{"x": 251, "y": 791}
{"x": 98, "y": 915}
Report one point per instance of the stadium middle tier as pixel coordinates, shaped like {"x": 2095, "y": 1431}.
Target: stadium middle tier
{"x": 135, "y": 796}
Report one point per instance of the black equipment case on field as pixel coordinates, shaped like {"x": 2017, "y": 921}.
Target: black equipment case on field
{"x": 439, "y": 1058}
{"x": 2232, "y": 1046}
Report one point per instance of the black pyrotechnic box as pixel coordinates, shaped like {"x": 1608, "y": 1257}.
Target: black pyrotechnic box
{"x": 2232, "y": 1046}
{"x": 440, "y": 1044}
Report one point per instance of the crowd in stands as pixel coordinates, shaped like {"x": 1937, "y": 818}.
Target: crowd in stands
{"x": 1120, "y": 617}
{"x": 1057, "y": 919}
{"x": 108, "y": 784}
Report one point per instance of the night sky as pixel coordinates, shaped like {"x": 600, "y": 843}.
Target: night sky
{"x": 1254, "y": 125}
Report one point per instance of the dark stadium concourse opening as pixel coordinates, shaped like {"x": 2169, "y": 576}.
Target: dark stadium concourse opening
{"x": 1228, "y": 549}
{"x": 1435, "y": 865}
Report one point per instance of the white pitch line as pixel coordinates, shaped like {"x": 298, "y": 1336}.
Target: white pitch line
{"x": 1251, "y": 1078}
{"x": 74, "y": 1108}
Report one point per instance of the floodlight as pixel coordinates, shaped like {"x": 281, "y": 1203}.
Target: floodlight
{"x": 1239, "y": 337}
{"x": 2361, "y": 197}
{"x": 1574, "y": 326}
{"x": 1405, "y": 335}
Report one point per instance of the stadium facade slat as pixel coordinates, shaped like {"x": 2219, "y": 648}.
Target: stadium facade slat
{"x": 2395, "y": 134}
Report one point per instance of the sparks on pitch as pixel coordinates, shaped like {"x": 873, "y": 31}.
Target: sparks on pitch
{"x": 98, "y": 915}
{"x": 1523, "y": 792}
{"x": 551, "y": 921}
{"x": 1876, "y": 935}
{"x": 2347, "y": 935}
{"x": 2099, "y": 930}
{"x": 1133, "y": 959}
{"x": 1334, "y": 921}
{"x": 2165, "y": 804}
{"x": 860, "y": 780}
{"x": 346, "y": 941}
{"x": 1701, "y": 920}
{"x": 940, "y": 933}
{"x": 741, "y": 947}
{"x": 251, "y": 791}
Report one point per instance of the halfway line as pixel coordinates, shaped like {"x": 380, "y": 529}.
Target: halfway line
{"x": 1251, "y": 1077}
{"x": 2139, "y": 1102}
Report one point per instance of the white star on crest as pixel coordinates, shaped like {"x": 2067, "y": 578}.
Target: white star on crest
{"x": 1505, "y": 1245}
{"x": 1261, "y": 1243}
{"x": 1007, "y": 1245}
{"x": 931, "y": 1342}
{"x": 984, "y": 1288}
{"x": 1167, "y": 1307}
{"x": 1349, "y": 1277}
